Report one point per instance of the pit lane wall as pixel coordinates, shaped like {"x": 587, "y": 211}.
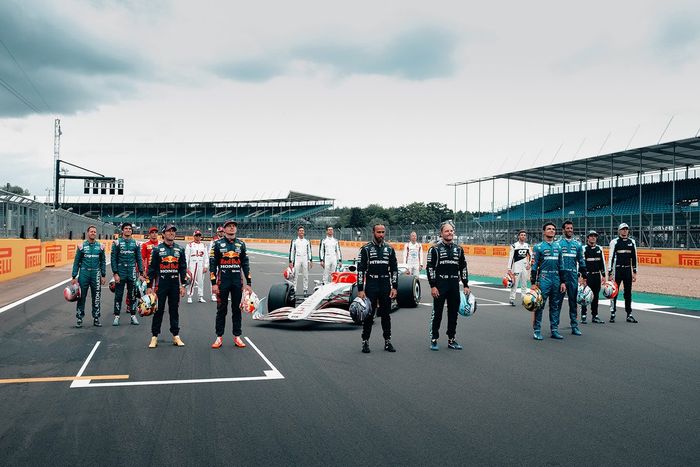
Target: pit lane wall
{"x": 660, "y": 258}
{"x": 19, "y": 257}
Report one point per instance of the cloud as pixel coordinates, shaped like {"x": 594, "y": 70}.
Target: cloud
{"x": 417, "y": 54}
{"x": 71, "y": 69}
{"x": 678, "y": 38}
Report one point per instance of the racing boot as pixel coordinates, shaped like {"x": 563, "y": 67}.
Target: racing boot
{"x": 388, "y": 346}
{"x": 116, "y": 320}
{"x": 154, "y": 342}
{"x": 189, "y": 299}
{"x": 79, "y": 323}
{"x": 575, "y": 331}
{"x": 96, "y": 322}
{"x": 134, "y": 321}
{"x": 238, "y": 342}
{"x": 583, "y": 318}
{"x": 201, "y": 300}
{"x": 556, "y": 335}
{"x": 612, "y": 317}
{"x": 213, "y": 297}
{"x": 537, "y": 335}
{"x": 218, "y": 342}
{"x": 178, "y": 342}
{"x": 365, "y": 347}
{"x": 512, "y": 303}
{"x": 597, "y": 320}
{"x": 630, "y": 319}
{"x": 453, "y": 344}
{"x": 434, "y": 344}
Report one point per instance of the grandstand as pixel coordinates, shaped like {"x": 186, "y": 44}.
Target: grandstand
{"x": 206, "y": 215}
{"x": 654, "y": 189}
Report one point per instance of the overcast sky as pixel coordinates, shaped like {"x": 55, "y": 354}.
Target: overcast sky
{"x": 360, "y": 101}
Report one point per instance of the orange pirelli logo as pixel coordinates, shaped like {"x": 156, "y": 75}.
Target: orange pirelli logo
{"x": 500, "y": 251}
{"x": 71, "y": 251}
{"x": 689, "y": 259}
{"x": 32, "y": 256}
{"x": 480, "y": 250}
{"x": 52, "y": 254}
{"x": 649, "y": 258}
{"x": 5, "y": 261}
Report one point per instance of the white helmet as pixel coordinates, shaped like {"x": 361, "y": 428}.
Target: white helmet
{"x": 249, "y": 302}
{"x": 584, "y": 295}
{"x": 467, "y": 304}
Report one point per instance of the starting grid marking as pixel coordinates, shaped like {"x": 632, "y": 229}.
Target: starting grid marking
{"x": 86, "y": 382}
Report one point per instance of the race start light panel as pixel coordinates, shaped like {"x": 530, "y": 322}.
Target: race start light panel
{"x": 102, "y": 188}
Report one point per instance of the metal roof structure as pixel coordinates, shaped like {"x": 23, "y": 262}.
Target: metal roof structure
{"x": 292, "y": 198}
{"x": 664, "y": 156}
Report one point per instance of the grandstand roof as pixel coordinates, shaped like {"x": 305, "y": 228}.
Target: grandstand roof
{"x": 292, "y": 197}
{"x": 682, "y": 153}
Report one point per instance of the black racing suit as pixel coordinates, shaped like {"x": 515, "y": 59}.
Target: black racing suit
{"x": 446, "y": 267}
{"x": 229, "y": 265}
{"x": 595, "y": 271}
{"x": 377, "y": 274}
{"x": 126, "y": 261}
{"x": 90, "y": 262}
{"x": 622, "y": 263}
{"x": 167, "y": 271}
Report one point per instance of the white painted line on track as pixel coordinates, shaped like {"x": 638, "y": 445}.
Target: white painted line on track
{"x": 673, "y": 314}
{"x": 272, "y": 373}
{"x": 34, "y": 295}
{"x": 85, "y": 382}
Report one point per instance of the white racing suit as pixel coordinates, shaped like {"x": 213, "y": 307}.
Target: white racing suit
{"x": 300, "y": 257}
{"x": 413, "y": 257}
{"x": 517, "y": 262}
{"x": 331, "y": 257}
{"x": 197, "y": 257}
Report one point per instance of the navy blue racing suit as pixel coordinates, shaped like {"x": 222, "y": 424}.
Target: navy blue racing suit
{"x": 166, "y": 272}
{"x": 229, "y": 267}
{"x": 90, "y": 262}
{"x": 573, "y": 263}
{"x": 377, "y": 274}
{"x": 547, "y": 274}
{"x": 446, "y": 268}
{"x": 126, "y": 261}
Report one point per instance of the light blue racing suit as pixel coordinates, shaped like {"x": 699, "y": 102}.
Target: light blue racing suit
{"x": 574, "y": 263}
{"x": 546, "y": 273}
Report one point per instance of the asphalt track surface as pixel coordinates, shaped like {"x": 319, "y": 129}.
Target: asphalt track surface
{"x": 621, "y": 394}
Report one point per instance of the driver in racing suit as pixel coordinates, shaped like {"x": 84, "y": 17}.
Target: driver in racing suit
{"x": 547, "y": 276}
{"x": 126, "y": 266}
{"x": 518, "y": 264}
{"x": 572, "y": 256}
{"x": 377, "y": 279}
{"x": 197, "y": 257}
{"x": 90, "y": 261}
{"x": 413, "y": 255}
{"x": 147, "y": 248}
{"x": 300, "y": 259}
{"x": 622, "y": 266}
{"x": 330, "y": 255}
{"x": 446, "y": 267}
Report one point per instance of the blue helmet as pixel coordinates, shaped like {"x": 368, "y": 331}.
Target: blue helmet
{"x": 360, "y": 309}
{"x": 467, "y": 304}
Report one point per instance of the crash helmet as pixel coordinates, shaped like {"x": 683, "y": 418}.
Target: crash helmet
{"x": 610, "y": 289}
{"x": 148, "y": 304}
{"x": 507, "y": 281}
{"x": 360, "y": 309}
{"x": 467, "y": 304}
{"x": 141, "y": 287}
{"x": 288, "y": 273}
{"x": 112, "y": 285}
{"x": 249, "y": 302}
{"x": 72, "y": 292}
{"x": 584, "y": 296}
{"x": 531, "y": 300}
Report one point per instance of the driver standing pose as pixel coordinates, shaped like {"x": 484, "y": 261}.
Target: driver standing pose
{"x": 126, "y": 265}
{"x": 377, "y": 279}
{"x": 197, "y": 257}
{"x": 518, "y": 264}
{"x": 413, "y": 255}
{"x": 300, "y": 259}
{"x": 622, "y": 266}
{"x": 329, "y": 254}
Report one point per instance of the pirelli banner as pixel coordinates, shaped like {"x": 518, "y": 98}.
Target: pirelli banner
{"x": 21, "y": 257}
{"x": 664, "y": 258}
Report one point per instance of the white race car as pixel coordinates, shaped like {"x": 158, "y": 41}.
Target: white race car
{"x": 330, "y": 303}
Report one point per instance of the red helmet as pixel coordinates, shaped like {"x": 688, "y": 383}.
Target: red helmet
{"x": 288, "y": 273}
{"x": 72, "y": 292}
{"x": 112, "y": 285}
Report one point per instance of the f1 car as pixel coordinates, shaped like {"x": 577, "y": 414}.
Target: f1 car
{"x": 330, "y": 303}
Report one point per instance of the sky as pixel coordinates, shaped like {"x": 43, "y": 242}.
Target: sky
{"x": 363, "y": 102}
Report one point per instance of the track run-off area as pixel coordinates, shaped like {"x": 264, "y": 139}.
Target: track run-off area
{"x": 303, "y": 393}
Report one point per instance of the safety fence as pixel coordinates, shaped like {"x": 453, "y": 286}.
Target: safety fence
{"x": 23, "y": 217}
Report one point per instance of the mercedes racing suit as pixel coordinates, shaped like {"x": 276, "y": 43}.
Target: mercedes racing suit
{"x": 90, "y": 262}
{"x": 196, "y": 254}
{"x": 622, "y": 262}
{"x": 377, "y": 274}
{"x": 413, "y": 257}
{"x": 300, "y": 257}
{"x": 573, "y": 263}
{"x": 126, "y": 261}
{"x": 330, "y": 255}
{"x": 595, "y": 271}
{"x": 547, "y": 273}
{"x": 518, "y": 261}
{"x": 146, "y": 250}
{"x": 166, "y": 272}
{"x": 446, "y": 267}
{"x": 229, "y": 267}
